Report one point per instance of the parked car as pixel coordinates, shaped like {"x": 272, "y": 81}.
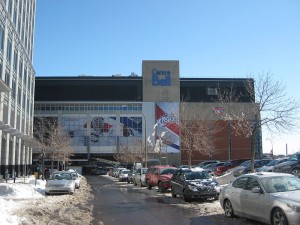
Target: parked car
{"x": 77, "y": 177}
{"x": 99, "y": 171}
{"x": 207, "y": 162}
{"x": 220, "y": 170}
{"x": 246, "y": 166}
{"x": 116, "y": 171}
{"x": 139, "y": 177}
{"x": 194, "y": 183}
{"x": 160, "y": 176}
{"x": 210, "y": 167}
{"x": 60, "y": 182}
{"x": 292, "y": 165}
{"x": 131, "y": 176}
{"x": 271, "y": 198}
{"x": 269, "y": 167}
{"x": 123, "y": 174}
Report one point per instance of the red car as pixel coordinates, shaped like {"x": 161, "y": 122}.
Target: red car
{"x": 159, "y": 176}
{"x": 220, "y": 170}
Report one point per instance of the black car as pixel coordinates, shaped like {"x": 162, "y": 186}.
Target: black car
{"x": 245, "y": 167}
{"x": 292, "y": 165}
{"x": 194, "y": 183}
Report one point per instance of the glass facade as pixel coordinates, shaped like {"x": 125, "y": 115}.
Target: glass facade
{"x": 17, "y": 20}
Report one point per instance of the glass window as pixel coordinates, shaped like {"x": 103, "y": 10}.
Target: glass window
{"x": 252, "y": 183}
{"x": 8, "y": 49}
{"x": 1, "y": 37}
{"x": 212, "y": 91}
{"x": 240, "y": 182}
{"x": 7, "y": 78}
{"x": 15, "y": 61}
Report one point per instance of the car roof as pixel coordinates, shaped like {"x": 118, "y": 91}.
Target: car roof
{"x": 162, "y": 166}
{"x": 266, "y": 174}
{"x": 192, "y": 169}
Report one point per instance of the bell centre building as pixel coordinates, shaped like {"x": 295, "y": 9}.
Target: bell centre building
{"x": 104, "y": 115}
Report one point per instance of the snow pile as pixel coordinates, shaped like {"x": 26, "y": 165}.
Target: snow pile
{"x": 12, "y": 193}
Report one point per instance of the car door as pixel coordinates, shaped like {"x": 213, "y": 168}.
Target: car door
{"x": 234, "y": 193}
{"x": 253, "y": 204}
{"x": 177, "y": 182}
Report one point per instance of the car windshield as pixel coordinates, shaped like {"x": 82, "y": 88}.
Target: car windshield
{"x": 227, "y": 163}
{"x": 61, "y": 176}
{"x": 125, "y": 171}
{"x": 293, "y": 158}
{"x": 281, "y": 184}
{"x": 246, "y": 163}
{"x": 144, "y": 171}
{"x": 168, "y": 171}
{"x": 196, "y": 175}
{"x": 273, "y": 162}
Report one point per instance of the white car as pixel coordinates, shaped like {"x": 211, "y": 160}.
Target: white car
{"x": 271, "y": 198}
{"x": 77, "y": 177}
{"x": 60, "y": 182}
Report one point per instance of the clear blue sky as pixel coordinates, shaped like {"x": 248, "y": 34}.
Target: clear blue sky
{"x": 216, "y": 38}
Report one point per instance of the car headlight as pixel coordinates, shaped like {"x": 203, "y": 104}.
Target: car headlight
{"x": 294, "y": 207}
{"x": 192, "y": 187}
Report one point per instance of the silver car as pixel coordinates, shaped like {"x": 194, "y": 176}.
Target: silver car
{"x": 77, "y": 177}
{"x": 139, "y": 177}
{"x": 60, "y": 182}
{"x": 271, "y": 198}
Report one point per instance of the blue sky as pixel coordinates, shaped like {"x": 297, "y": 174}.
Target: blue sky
{"x": 216, "y": 38}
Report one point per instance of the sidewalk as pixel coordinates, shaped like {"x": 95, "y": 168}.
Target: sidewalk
{"x": 23, "y": 180}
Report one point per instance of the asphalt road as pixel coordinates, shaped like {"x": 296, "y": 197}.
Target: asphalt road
{"x": 117, "y": 203}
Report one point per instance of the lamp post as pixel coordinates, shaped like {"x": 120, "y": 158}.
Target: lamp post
{"x": 272, "y": 146}
{"x": 145, "y": 141}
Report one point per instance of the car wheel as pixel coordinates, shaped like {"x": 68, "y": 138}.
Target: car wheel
{"x": 148, "y": 185}
{"x": 278, "y": 217}
{"x": 228, "y": 209}
{"x": 186, "y": 196}
{"x": 296, "y": 172}
{"x": 141, "y": 183}
{"x": 161, "y": 188}
{"x": 173, "y": 193}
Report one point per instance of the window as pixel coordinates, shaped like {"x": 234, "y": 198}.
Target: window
{"x": 8, "y": 49}
{"x": 7, "y": 78}
{"x": 212, "y": 91}
{"x": 1, "y": 37}
{"x": 15, "y": 61}
{"x": 240, "y": 183}
{"x": 252, "y": 183}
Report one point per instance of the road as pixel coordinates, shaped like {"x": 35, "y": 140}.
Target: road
{"x": 117, "y": 203}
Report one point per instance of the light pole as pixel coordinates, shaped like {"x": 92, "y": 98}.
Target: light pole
{"x": 272, "y": 146}
{"x": 145, "y": 141}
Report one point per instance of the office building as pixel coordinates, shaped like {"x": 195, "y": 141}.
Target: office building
{"x": 17, "y": 21}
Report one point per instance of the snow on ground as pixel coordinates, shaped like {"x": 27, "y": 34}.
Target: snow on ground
{"x": 11, "y": 193}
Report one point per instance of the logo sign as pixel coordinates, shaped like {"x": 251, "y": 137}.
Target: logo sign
{"x": 167, "y": 118}
{"x": 161, "y": 77}
{"x": 218, "y": 110}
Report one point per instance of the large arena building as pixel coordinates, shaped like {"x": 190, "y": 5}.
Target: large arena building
{"x": 104, "y": 115}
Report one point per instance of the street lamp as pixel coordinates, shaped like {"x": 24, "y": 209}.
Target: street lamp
{"x": 271, "y": 145}
{"x": 145, "y": 141}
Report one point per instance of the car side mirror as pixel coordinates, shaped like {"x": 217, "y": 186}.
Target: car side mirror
{"x": 256, "y": 190}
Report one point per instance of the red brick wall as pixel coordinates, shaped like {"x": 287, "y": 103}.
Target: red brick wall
{"x": 241, "y": 146}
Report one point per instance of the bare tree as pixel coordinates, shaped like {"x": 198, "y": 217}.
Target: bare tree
{"x": 131, "y": 153}
{"x": 196, "y": 131}
{"x": 50, "y": 141}
{"x": 269, "y": 106}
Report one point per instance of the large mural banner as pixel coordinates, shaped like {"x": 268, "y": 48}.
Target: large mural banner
{"x": 167, "y": 138}
{"x": 103, "y": 130}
